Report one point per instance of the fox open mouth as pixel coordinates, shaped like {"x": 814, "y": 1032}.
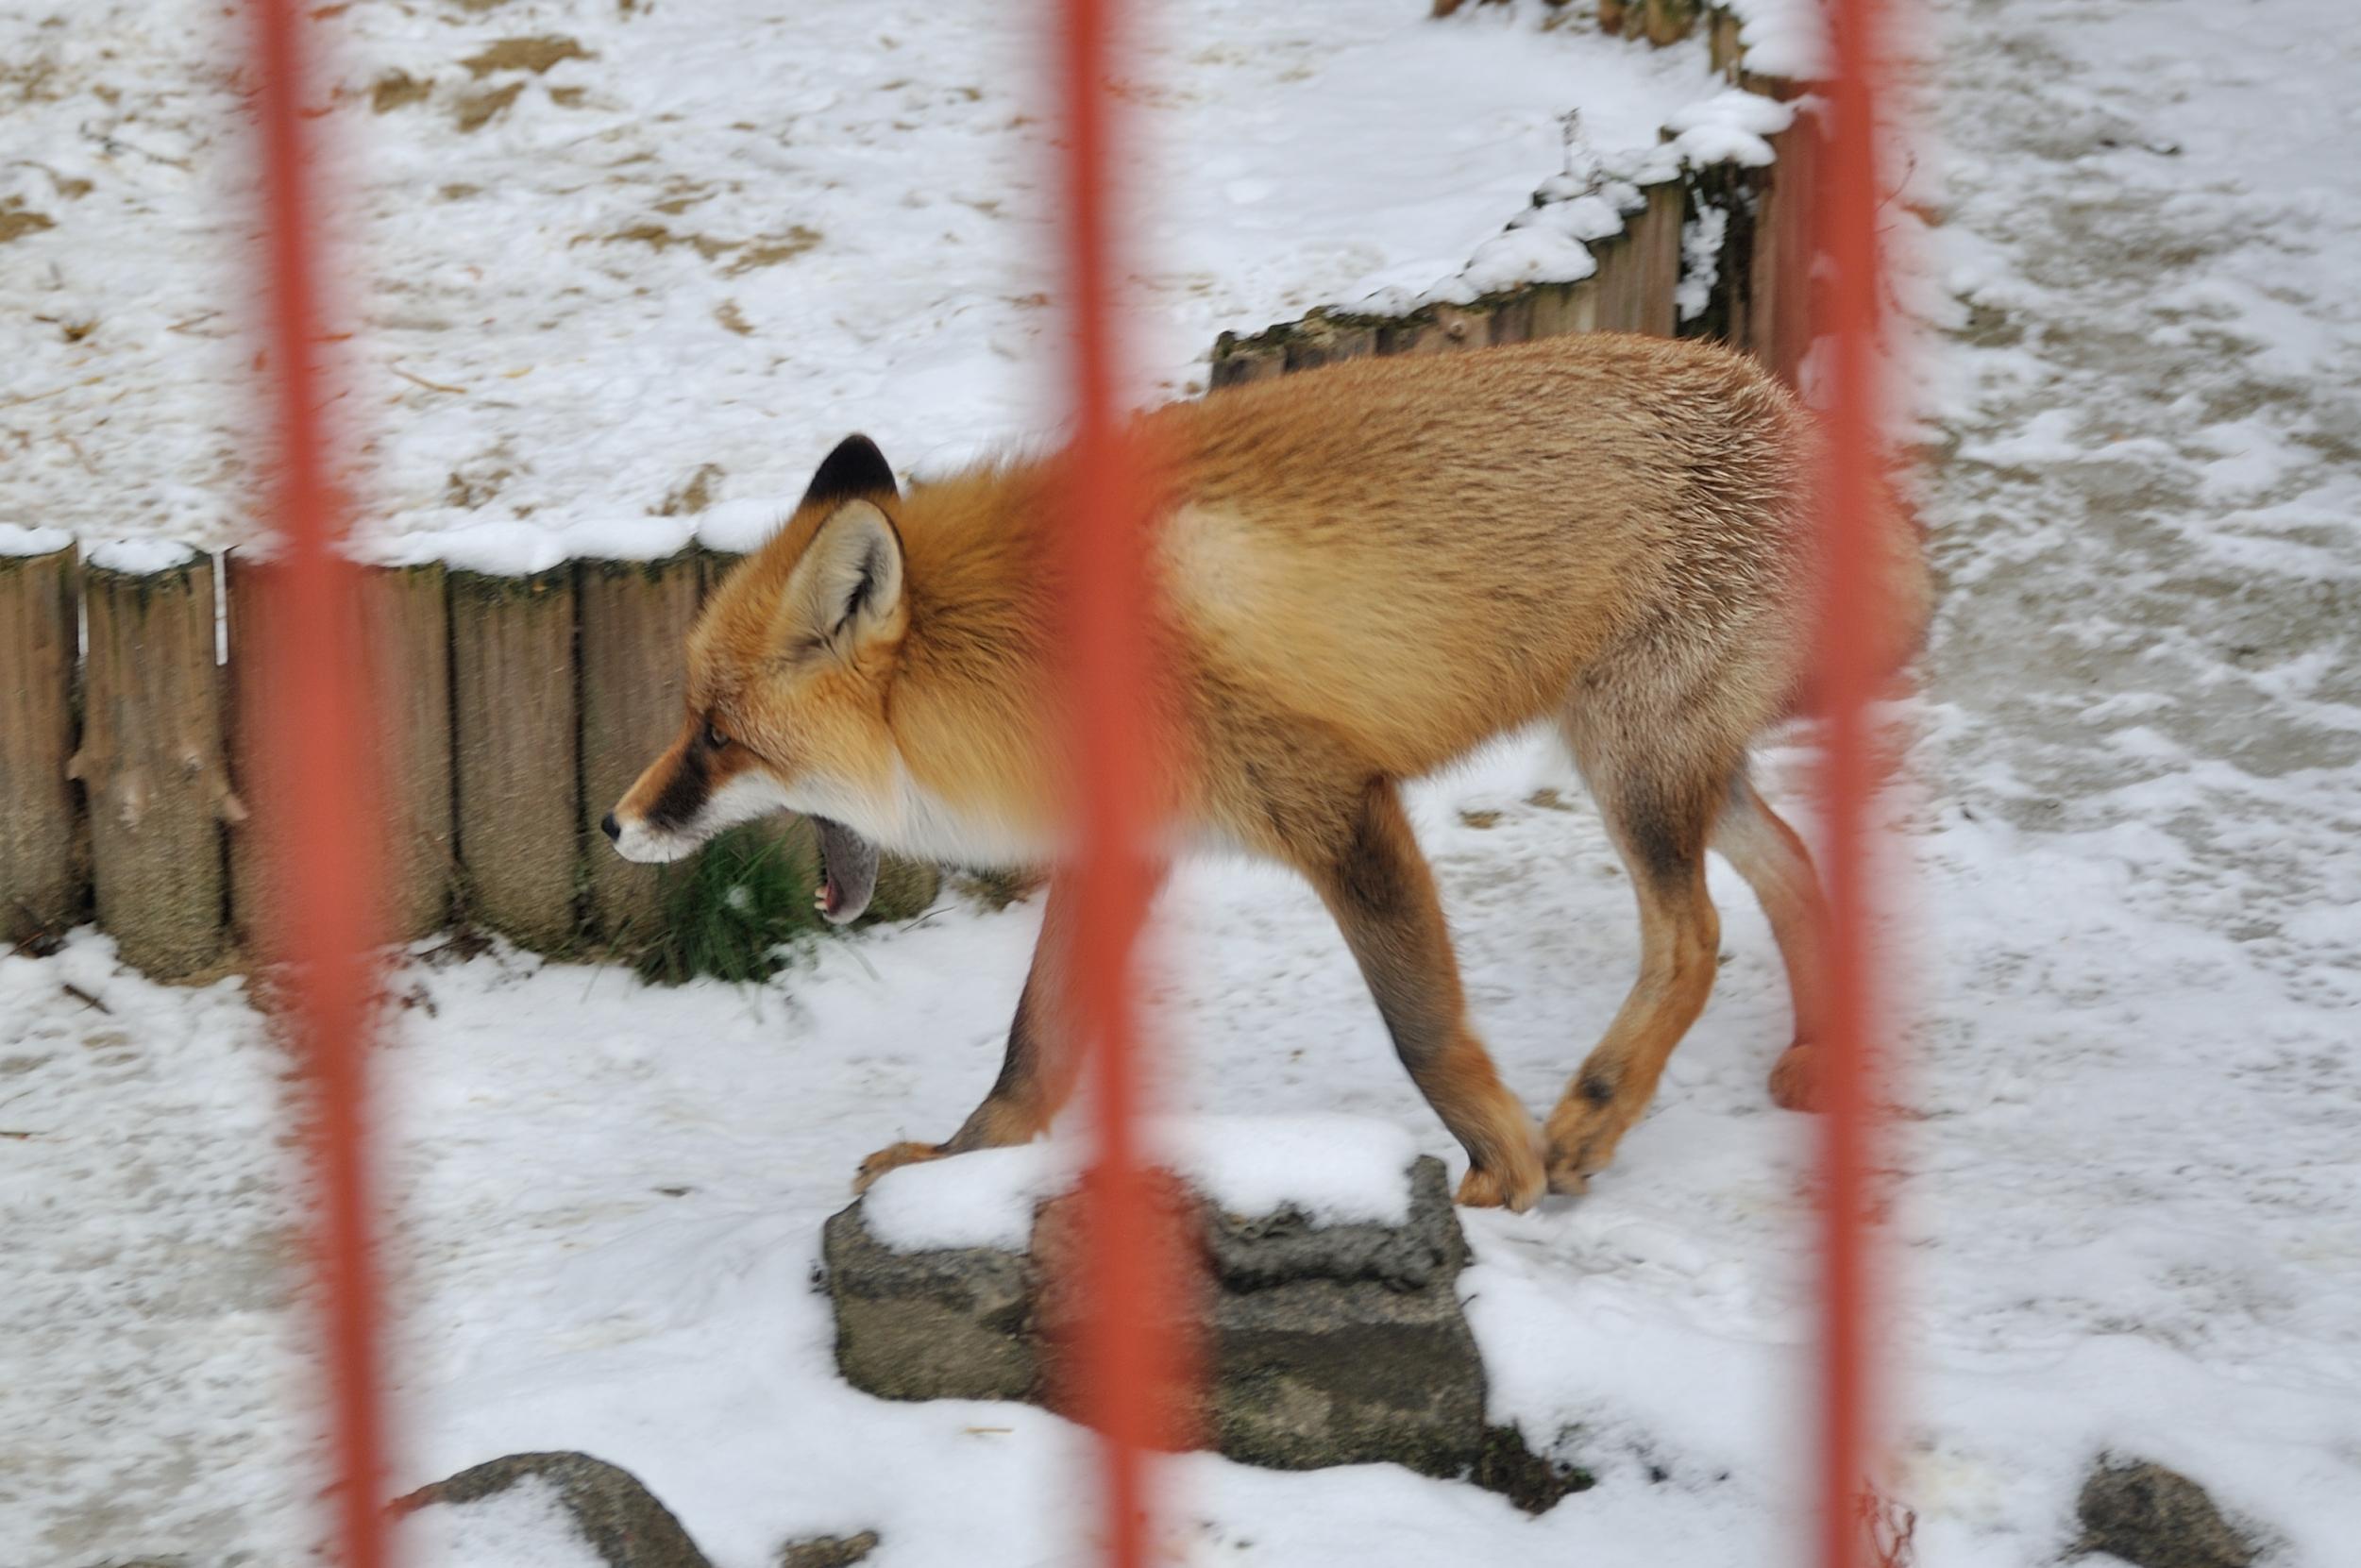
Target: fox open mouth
{"x": 847, "y": 872}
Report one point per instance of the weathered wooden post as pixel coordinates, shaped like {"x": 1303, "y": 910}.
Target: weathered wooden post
{"x": 635, "y": 616}
{"x": 1639, "y": 270}
{"x": 153, "y": 758}
{"x": 1511, "y": 315}
{"x": 406, "y": 640}
{"x": 1560, "y": 309}
{"x": 406, "y": 612}
{"x": 1437, "y": 329}
{"x": 1669, "y": 21}
{"x": 1723, "y": 48}
{"x": 1238, "y": 360}
{"x": 1656, "y": 246}
{"x": 1321, "y": 339}
{"x": 515, "y": 727}
{"x": 1778, "y": 304}
{"x": 40, "y": 883}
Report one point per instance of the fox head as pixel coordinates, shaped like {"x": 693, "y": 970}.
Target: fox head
{"x": 787, "y": 672}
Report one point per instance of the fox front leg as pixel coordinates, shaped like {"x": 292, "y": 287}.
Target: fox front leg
{"x": 1037, "y": 1076}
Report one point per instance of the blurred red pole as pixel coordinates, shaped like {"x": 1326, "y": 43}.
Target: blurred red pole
{"x": 1847, "y": 218}
{"x": 319, "y": 817}
{"x": 1127, "y": 1352}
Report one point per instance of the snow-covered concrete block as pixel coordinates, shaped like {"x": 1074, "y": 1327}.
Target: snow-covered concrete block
{"x": 948, "y": 1322}
{"x": 1331, "y": 1327}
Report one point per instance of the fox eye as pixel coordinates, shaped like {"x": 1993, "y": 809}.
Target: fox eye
{"x": 713, "y": 737}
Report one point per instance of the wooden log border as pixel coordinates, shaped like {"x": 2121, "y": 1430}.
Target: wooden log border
{"x": 153, "y": 763}
{"x": 516, "y": 731}
{"x": 43, "y": 878}
{"x": 635, "y": 616}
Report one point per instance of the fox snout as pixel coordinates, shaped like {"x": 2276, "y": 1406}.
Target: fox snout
{"x": 691, "y": 792}
{"x": 677, "y": 805}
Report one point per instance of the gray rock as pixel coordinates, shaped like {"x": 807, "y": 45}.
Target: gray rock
{"x": 621, "y": 1519}
{"x": 2157, "y": 1518}
{"x": 1342, "y": 1345}
{"x": 828, "y": 1551}
{"x": 947, "y": 1324}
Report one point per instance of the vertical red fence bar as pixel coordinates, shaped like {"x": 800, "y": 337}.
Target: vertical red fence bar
{"x": 1850, "y": 616}
{"x": 1126, "y": 1351}
{"x": 318, "y": 811}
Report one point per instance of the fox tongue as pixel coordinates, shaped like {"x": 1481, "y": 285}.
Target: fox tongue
{"x": 847, "y": 871}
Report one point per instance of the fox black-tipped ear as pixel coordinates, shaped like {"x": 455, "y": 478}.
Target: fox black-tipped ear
{"x": 855, "y": 471}
{"x": 848, "y": 586}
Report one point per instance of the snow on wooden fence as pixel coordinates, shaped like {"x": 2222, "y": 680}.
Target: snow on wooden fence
{"x": 1758, "y": 300}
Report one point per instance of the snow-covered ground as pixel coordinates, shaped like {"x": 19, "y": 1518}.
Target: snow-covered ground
{"x": 2128, "y": 1200}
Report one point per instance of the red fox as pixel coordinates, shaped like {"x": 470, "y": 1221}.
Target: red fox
{"x": 1367, "y": 570}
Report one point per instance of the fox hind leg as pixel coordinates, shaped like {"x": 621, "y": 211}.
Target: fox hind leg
{"x": 1378, "y": 887}
{"x": 1659, "y": 815}
{"x": 1772, "y": 858}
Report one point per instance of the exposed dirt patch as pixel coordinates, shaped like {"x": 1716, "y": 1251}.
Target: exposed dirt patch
{"x": 476, "y": 109}
{"x": 680, "y": 194}
{"x": 472, "y": 490}
{"x": 769, "y": 251}
{"x": 398, "y": 90}
{"x": 727, "y": 313}
{"x": 763, "y": 250}
{"x": 569, "y": 97}
{"x": 33, "y": 82}
{"x": 694, "y": 497}
{"x": 17, "y": 220}
{"x": 657, "y": 237}
{"x": 535, "y": 55}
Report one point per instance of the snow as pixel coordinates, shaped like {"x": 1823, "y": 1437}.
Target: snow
{"x": 2128, "y": 956}
{"x": 525, "y": 1524}
{"x": 138, "y": 557}
{"x": 740, "y": 526}
{"x": 1730, "y": 127}
{"x": 1701, "y": 240}
{"x": 1332, "y": 1169}
{"x": 715, "y": 238}
{"x": 1782, "y": 37}
{"x": 16, "y": 540}
{"x": 1524, "y": 256}
{"x": 984, "y": 1199}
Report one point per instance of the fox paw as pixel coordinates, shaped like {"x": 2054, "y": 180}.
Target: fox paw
{"x": 1795, "y": 1078}
{"x": 1516, "y": 1189}
{"x": 892, "y": 1157}
{"x": 1582, "y": 1139}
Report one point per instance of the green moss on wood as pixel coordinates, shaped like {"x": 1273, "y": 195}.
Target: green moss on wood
{"x": 645, "y": 571}
{"x": 494, "y": 589}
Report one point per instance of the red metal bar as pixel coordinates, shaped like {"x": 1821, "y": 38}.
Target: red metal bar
{"x": 318, "y": 814}
{"x": 1128, "y": 1345}
{"x": 1850, "y": 616}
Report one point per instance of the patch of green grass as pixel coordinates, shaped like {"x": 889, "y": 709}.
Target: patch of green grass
{"x": 734, "y": 906}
